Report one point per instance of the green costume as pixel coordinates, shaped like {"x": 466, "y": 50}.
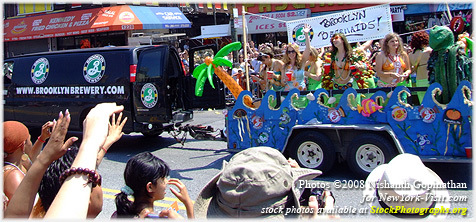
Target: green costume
{"x": 446, "y": 65}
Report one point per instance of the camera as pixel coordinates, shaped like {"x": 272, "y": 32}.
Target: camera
{"x": 318, "y": 192}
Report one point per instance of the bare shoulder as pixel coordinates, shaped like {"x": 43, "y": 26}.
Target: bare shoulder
{"x": 428, "y": 50}
{"x": 380, "y": 55}
{"x": 13, "y": 174}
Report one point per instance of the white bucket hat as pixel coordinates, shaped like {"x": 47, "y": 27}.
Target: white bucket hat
{"x": 254, "y": 179}
{"x": 404, "y": 188}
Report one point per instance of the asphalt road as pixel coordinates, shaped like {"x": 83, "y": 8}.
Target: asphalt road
{"x": 197, "y": 161}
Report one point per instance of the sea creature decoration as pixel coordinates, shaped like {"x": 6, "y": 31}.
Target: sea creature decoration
{"x": 422, "y": 140}
{"x": 335, "y": 115}
{"x": 368, "y": 107}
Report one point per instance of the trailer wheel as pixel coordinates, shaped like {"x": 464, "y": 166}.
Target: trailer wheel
{"x": 312, "y": 150}
{"x": 367, "y": 152}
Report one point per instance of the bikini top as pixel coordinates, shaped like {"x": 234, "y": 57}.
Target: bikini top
{"x": 388, "y": 65}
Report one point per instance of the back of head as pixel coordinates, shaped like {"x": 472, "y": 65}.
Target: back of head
{"x": 14, "y": 136}
{"x": 254, "y": 179}
{"x": 50, "y": 183}
{"x": 419, "y": 40}
{"x": 140, "y": 170}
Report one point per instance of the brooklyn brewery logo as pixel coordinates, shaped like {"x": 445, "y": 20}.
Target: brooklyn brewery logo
{"x": 298, "y": 35}
{"x": 149, "y": 95}
{"x": 39, "y": 70}
{"x": 94, "y": 67}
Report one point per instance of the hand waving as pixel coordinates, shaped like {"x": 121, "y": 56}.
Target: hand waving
{"x": 45, "y": 130}
{"x": 95, "y": 126}
{"x": 115, "y": 130}
{"x": 182, "y": 194}
{"x": 306, "y": 29}
{"x": 56, "y": 146}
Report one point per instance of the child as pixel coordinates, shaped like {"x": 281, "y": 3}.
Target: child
{"x": 146, "y": 180}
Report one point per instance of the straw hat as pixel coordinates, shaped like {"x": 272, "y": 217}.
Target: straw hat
{"x": 403, "y": 184}
{"x": 254, "y": 179}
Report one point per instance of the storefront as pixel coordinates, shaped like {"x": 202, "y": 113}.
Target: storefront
{"x": 99, "y": 27}
{"x": 425, "y": 16}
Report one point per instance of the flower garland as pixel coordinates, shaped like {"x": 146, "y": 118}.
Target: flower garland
{"x": 358, "y": 57}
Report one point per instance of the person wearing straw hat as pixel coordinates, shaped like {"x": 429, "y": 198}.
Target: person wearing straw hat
{"x": 257, "y": 183}
{"x": 400, "y": 189}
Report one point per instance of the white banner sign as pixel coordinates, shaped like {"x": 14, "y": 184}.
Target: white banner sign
{"x": 358, "y": 25}
{"x": 269, "y": 22}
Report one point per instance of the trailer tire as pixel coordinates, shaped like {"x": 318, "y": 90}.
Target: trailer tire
{"x": 312, "y": 150}
{"x": 368, "y": 151}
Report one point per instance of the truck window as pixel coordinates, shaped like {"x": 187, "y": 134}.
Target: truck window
{"x": 7, "y": 72}
{"x": 150, "y": 65}
{"x": 200, "y": 56}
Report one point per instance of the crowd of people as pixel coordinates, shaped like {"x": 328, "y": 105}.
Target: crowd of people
{"x": 388, "y": 62}
{"x": 58, "y": 178}
{"x": 62, "y": 179}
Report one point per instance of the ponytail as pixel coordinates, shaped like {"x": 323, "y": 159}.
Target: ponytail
{"x": 124, "y": 206}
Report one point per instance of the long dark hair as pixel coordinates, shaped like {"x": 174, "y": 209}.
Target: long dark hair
{"x": 140, "y": 170}
{"x": 347, "y": 47}
{"x": 50, "y": 183}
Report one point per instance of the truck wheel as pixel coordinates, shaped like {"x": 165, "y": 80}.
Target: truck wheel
{"x": 367, "y": 152}
{"x": 313, "y": 150}
{"x": 152, "y": 134}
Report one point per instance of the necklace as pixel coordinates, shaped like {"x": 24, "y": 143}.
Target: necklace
{"x": 396, "y": 62}
{"x": 340, "y": 69}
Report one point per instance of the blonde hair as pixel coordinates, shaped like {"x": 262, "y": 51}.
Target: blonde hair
{"x": 287, "y": 60}
{"x": 389, "y": 37}
{"x": 314, "y": 53}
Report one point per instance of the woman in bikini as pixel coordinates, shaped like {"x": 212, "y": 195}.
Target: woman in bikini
{"x": 392, "y": 64}
{"x": 419, "y": 59}
{"x": 269, "y": 64}
{"x": 294, "y": 64}
{"x": 313, "y": 70}
{"x": 341, "y": 54}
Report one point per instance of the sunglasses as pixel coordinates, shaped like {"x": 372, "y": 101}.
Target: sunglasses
{"x": 291, "y": 51}
{"x": 336, "y": 37}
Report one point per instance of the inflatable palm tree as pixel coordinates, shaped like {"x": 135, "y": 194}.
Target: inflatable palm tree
{"x": 213, "y": 65}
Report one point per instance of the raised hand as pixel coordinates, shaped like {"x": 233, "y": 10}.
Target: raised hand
{"x": 306, "y": 29}
{"x": 97, "y": 122}
{"x": 182, "y": 194}
{"x": 56, "y": 146}
{"x": 45, "y": 130}
{"x": 115, "y": 129}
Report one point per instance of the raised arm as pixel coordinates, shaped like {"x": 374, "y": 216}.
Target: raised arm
{"x": 45, "y": 134}
{"x": 73, "y": 197}
{"x": 307, "y": 50}
{"x": 115, "y": 133}
{"x": 21, "y": 204}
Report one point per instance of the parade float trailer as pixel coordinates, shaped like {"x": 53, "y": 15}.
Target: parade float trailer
{"x": 365, "y": 127}
{"x": 365, "y": 134}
